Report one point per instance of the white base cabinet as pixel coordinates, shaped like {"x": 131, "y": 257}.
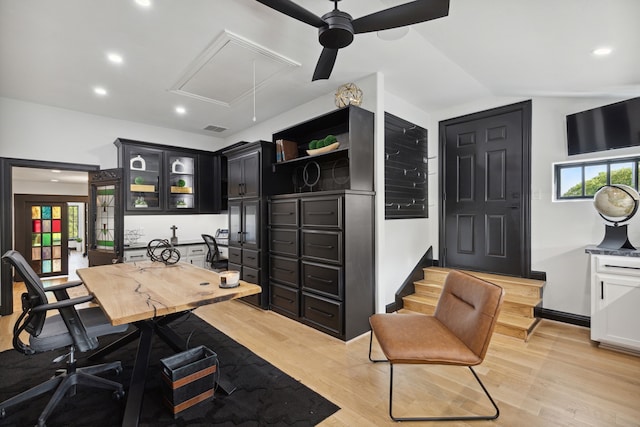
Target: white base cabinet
{"x": 195, "y": 254}
{"x": 615, "y": 301}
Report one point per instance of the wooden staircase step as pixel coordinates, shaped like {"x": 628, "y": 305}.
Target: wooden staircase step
{"x": 513, "y": 285}
{"x": 516, "y": 326}
{"x": 517, "y": 317}
{"x": 424, "y": 287}
{"x": 415, "y": 302}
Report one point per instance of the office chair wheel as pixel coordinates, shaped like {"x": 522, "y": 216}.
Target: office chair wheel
{"x": 118, "y": 395}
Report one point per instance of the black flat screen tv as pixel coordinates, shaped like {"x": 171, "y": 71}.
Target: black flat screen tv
{"x": 604, "y": 128}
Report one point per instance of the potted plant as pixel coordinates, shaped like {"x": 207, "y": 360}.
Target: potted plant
{"x": 79, "y": 244}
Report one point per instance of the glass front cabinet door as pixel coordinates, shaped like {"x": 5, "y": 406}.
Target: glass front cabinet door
{"x": 181, "y": 170}
{"x": 144, "y": 179}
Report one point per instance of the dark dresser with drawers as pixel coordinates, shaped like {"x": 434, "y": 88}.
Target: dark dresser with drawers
{"x": 322, "y": 260}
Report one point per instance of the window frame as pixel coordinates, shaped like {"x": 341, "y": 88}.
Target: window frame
{"x": 559, "y": 167}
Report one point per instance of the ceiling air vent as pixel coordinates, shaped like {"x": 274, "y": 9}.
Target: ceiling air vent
{"x": 214, "y": 128}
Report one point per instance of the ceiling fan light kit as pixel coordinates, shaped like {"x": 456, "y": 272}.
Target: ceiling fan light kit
{"x": 336, "y": 29}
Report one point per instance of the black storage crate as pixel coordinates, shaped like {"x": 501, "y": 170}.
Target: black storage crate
{"x": 188, "y": 378}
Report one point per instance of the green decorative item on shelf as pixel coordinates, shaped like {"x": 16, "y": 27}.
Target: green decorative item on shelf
{"x": 138, "y": 180}
{"x": 319, "y": 143}
{"x": 181, "y": 183}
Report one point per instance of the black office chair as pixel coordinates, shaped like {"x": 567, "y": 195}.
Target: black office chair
{"x": 213, "y": 255}
{"x": 76, "y": 329}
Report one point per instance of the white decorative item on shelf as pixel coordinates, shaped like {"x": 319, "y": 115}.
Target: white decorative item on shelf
{"x": 348, "y": 94}
{"x": 178, "y": 167}
{"x": 138, "y": 163}
{"x": 324, "y": 149}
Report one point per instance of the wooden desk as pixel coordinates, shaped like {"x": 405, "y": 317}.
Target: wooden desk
{"x": 145, "y": 290}
{"x": 150, "y": 295}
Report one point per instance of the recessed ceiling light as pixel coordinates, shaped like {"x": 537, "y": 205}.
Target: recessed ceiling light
{"x": 181, "y": 110}
{"x": 100, "y": 91}
{"x": 114, "y": 57}
{"x": 55, "y": 180}
{"x": 55, "y": 171}
{"x": 144, "y": 3}
{"x": 602, "y": 51}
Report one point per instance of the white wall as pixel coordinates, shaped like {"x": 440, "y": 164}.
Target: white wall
{"x": 40, "y": 132}
{"x": 190, "y": 227}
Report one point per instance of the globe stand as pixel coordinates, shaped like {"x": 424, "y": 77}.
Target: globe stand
{"x": 615, "y": 237}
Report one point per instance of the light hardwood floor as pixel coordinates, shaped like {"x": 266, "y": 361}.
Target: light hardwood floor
{"x": 557, "y": 378}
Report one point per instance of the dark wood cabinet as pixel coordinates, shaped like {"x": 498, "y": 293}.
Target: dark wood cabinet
{"x": 244, "y": 175}
{"x": 325, "y": 260}
{"x": 321, "y": 223}
{"x": 250, "y": 181}
{"x": 163, "y": 179}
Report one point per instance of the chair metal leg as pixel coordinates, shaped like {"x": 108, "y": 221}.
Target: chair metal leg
{"x": 451, "y": 418}
{"x": 69, "y": 382}
{"x": 370, "y": 344}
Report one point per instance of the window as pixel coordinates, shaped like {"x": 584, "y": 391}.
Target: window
{"x": 582, "y": 180}
{"x": 73, "y": 222}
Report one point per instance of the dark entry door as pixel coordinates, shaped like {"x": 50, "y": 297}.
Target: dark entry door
{"x": 486, "y": 191}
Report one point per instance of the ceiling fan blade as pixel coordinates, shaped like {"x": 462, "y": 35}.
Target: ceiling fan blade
{"x": 291, "y": 9}
{"x": 325, "y": 64}
{"x": 402, "y": 15}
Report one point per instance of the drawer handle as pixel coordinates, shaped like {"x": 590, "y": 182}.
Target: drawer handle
{"x": 324, "y": 313}
{"x": 197, "y": 250}
{"x": 322, "y": 213}
{"x": 290, "y": 301}
{"x": 251, "y": 257}
{"x": 136, "y": 257}
{"x": 621, "y": 266}
{"x": 281, "y": 213}
{"x": 283, "y": 269}
{"x": 313, "y": 245}
{"x": 319, "y": 279}
{"x": 286, "y": 242}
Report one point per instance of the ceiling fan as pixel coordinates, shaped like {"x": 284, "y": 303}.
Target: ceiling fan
{"x": 337, "y": 28}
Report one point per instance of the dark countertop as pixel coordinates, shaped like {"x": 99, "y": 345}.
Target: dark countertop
{"x": 593, "y": 249}
{"x": 186, "y": 242}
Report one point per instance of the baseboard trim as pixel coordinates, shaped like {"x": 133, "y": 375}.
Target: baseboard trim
{"x": 539, "y": 275}
{"x": 391, "y": 308}
{"x": 561, "y": 316}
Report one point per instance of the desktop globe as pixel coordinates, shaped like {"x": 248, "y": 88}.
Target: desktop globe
{"x": 616, "y": 203}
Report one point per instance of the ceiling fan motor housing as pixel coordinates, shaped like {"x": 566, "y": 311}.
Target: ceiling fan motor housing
{"x": 338, "y": 32}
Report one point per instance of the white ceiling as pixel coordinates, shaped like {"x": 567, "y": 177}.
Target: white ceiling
{"x": 54, "y": 52}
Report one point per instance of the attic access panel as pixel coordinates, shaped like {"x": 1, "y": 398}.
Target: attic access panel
{"x": 405, "y": 169}
{"x": 223, "y": 73}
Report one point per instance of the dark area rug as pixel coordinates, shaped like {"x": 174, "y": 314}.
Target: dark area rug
{"x": 265, "y": 396}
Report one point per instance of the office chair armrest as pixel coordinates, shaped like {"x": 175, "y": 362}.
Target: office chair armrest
{"x": 62, "y": 304}
{"x": 66, "y": 285}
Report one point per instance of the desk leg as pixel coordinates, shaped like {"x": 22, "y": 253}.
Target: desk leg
{"x": 136, "y": 387}
{"x": 121, "y": 342}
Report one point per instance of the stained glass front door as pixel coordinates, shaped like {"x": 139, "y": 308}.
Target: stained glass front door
{"x": 48, "y": 257}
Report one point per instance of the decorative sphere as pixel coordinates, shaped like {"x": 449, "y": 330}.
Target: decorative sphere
{"x": 616, "y": 201}
{"x": 348, "y": 94}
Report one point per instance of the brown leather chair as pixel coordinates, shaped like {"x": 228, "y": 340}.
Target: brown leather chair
{"x": 458, "y": 333}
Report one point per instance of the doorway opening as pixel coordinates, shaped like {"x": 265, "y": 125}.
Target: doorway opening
{"x": 16, "y": 184}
